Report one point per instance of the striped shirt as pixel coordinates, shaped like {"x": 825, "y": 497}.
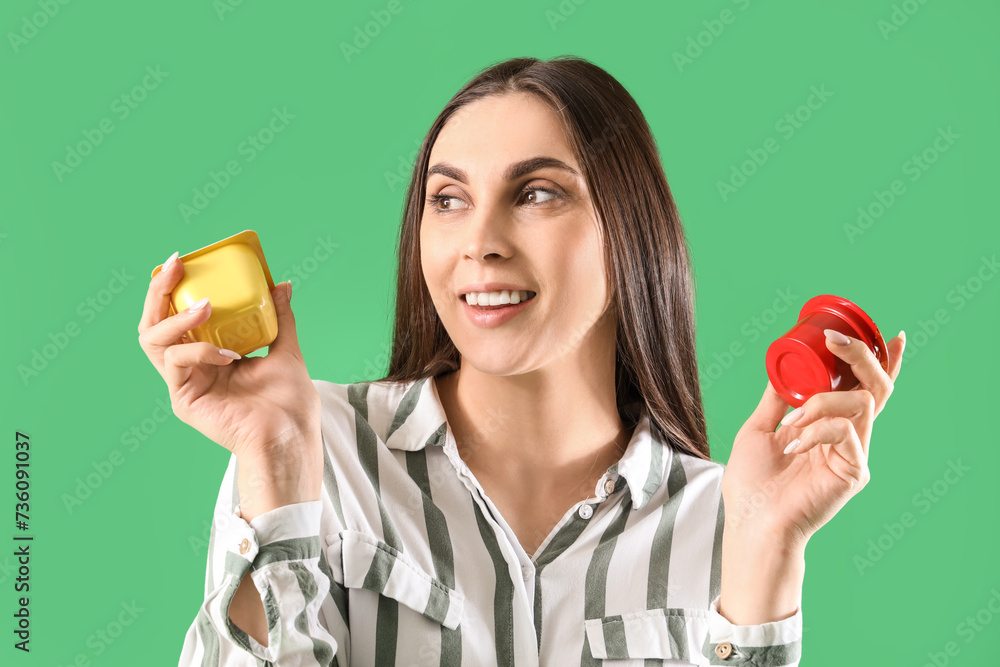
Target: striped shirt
{"x": 404, "y": 560}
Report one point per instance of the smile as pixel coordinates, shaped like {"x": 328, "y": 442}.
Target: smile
{"x": 490, "y": 316}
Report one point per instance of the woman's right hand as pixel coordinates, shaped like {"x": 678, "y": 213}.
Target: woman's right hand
{"x": 265, "y": 410}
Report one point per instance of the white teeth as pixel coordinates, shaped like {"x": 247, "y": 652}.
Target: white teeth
{"x": 496, "y": 298}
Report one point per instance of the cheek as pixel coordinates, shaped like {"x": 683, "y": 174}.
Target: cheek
{"x": 578, "y": 268}
{"x": 433, "y": 261}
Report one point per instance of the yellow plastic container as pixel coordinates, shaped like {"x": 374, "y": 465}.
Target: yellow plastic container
{"x": 233, "y": 274}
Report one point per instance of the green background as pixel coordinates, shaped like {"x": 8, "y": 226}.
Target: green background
{"x": 324, "y": 179}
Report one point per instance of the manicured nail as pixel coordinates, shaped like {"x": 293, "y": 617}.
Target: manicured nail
{"x": 229, "y": 353}
{"x": 288, "y": 291}
{"x": 793, "y": 416}
{"x": 792, "y": 445}
{"x": 170, "y": 262}
{"x": 835, "y": 336}
{"x": 195, "y": 307}
{"x": 902, "y": 334}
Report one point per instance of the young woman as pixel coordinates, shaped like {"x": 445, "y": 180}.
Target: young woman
{"x": 531, "y": 483}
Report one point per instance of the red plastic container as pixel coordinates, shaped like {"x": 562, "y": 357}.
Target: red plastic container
{"x": 799, "y": 363}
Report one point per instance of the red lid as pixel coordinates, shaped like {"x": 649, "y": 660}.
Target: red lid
{"x": 863, "y": 326}
{"x": 799, "y": 364}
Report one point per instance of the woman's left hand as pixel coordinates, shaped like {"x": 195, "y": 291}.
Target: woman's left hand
{"x": 787, "y": 497}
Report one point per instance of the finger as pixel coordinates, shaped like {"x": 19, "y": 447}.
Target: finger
{"x": 895, "y": 348}
{"x": 768, "y": 412}
{"x": 864, "y": 365}
{"x": 287, "y": 340}
{"x": 180, "y": 360}
{"x": 857, "y": 406}
{"x": 158, "y": 338}
{"x": 845, "y": 456}
{"x": 157, "y": 305}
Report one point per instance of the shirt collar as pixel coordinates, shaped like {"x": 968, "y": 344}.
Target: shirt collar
{"x": 419, "y": 420}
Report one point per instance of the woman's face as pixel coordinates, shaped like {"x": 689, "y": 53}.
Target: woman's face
{"x": 495, "y": 213}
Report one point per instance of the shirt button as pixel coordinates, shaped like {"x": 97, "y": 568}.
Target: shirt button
{"x": 244, "y": 546}
{"x": 609, "y": 486}
{"x": 724, "y": 650}
{"x": 586, "y": 511}
{"x": 527, "y": 572}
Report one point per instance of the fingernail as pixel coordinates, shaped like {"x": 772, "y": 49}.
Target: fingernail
{"x": 170, "y": 262}
{"x": 793, "y": 416}
{"x": 792, "y": 445}
{"x": 229, "y": 353}
{"x": 902, "y": 334}
{"x": 198, "y": 305}
{"x": 835, "y": 336}
{"x": 288, "y": 291}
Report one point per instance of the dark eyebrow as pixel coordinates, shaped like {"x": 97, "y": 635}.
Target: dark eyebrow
{"x": 514, "y": 171}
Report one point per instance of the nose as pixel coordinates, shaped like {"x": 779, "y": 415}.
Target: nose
{"x": 487, "y": 235}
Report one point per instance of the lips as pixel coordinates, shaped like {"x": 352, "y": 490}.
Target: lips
{"x": 489, "y": 317}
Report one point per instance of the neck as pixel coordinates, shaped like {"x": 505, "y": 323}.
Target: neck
{"x": 554, "y": 430}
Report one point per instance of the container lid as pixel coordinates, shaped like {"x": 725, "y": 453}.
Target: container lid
{"x": 248, "y": 236}
{"x": 853, "y": 316}
{"x": 797, "y": 371}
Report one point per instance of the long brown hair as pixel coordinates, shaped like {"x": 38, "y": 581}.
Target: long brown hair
{"x": 649, "y": 269}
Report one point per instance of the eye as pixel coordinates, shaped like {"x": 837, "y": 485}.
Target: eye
{"x": 445, "y": 203}
{"x": 537, "y": 195}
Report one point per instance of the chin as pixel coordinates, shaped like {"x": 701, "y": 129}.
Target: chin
{"x": 490, "y": 359}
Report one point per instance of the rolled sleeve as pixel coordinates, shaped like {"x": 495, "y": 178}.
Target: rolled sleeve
{"x": 282, "y": 551}
{"x": 774, "y": 644}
